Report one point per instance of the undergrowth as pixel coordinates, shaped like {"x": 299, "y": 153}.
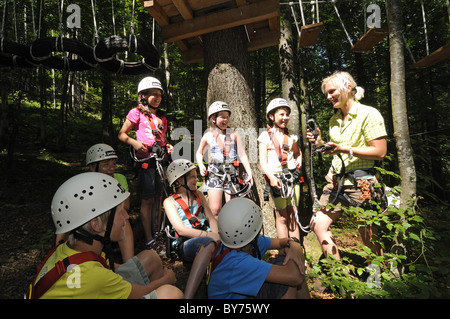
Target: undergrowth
{"x": 414, "y": 263}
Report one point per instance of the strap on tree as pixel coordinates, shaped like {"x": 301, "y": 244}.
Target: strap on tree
{"x": 36, "y": 290}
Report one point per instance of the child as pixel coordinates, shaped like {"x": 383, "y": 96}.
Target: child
{"x": 237, "y": 271}
{"x": 90, "y": 206}
{"x": 190, "y": 216}
{"x": 225, "y": 147}
{"x": 281, "y": 159}
{"x": 102, "y": 158}
{"x": 150, "y": 133}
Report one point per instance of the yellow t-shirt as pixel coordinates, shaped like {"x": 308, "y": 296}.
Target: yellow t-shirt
{"x": 89, "y": 280}
{"x": 365, "y": 123}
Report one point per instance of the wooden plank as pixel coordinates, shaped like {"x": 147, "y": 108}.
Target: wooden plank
{"x": 156, "y": 12}
{"x": 226, "y": 19}
{"x": 184, "y": 9}
{"x": 370, "y": 39}
{"x": 437, "y": 56}
{"x": 309, "y": 34}
{"x": 262, "y": 40}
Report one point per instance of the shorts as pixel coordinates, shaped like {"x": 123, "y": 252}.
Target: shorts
{"x": 191, "y": 247}
{"x": 282, "y": 203}
{"x": 270, "y": 290}
{"x": 214, "y": 182}
{"x": 151, "y": 185}
{"x": 133, "y": 272}
{"x": 354, "y": 192}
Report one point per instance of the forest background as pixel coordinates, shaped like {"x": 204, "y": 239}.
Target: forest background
{"x": 50, "y": 117}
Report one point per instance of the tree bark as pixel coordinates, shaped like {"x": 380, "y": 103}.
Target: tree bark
{"x": 399, "y": 110}
{"x": 227, "y": 68}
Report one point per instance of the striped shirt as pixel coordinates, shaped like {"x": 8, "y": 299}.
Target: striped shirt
{"x": 364, "y": 124}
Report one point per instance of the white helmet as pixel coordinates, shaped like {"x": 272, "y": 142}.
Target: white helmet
{"x": 276, "y": 103}
{"x": 217, "y": 107}
{"x": 99, "y": 152}
{"x": 177, "y": 169}
{"x": 83, "y": 197}
{"x": 240, "y": 221}
{"x": 149, "y": 82}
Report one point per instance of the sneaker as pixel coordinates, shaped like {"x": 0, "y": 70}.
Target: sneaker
{"x": 154, "y": 245}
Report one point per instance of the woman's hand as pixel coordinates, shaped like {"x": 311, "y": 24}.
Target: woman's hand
{"x": 318, "y": 141}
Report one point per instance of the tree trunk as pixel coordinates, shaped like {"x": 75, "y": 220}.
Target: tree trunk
{"x": 297, "y": 118}
{"x": 227, "y": 68}
{"x": 108, "y": 130}
{"x": 399, "y": 111}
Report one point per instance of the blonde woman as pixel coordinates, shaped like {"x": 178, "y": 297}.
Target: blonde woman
{"x": 358, "y": 139}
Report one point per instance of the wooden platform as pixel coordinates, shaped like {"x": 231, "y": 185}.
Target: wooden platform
{"x": 437, "y": 56}
{"x": 309, "y": 34}
{"x": 372, "y": 37}
{"x": 185, "y": 21}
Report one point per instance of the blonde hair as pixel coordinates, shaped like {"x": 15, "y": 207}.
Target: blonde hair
{"x": 102, "y": 220}
{"x": 344, "y": 79}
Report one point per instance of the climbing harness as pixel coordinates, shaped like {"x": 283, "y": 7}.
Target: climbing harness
{"x": 38, "y": 289}
{"x": 288, "y": 178}
{"x": 193, "y": 219}
{"x": 228, "y": 172}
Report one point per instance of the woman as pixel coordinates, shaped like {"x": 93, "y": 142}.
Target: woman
{"x": 358, "y": 139}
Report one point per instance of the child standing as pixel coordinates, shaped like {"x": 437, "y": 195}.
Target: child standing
{"x": 281, "y": 159}
{"x": 190, "y": 216}
{"x": 150, "y": 133}
{"x": 225, "y": 147}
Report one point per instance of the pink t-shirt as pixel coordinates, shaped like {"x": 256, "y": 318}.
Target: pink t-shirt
{"x": 142, "y": 127}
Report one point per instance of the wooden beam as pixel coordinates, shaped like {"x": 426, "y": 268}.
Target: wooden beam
{"x": 226, "y": 19}
{"x": 263, "y": 40}
{"x": 437, "y": 56}
{"x": 184, "y": 9}
{"x": 156, "y": 12}
{"x": 370, "y": 39}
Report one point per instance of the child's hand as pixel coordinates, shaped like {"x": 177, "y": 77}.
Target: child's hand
{"x": 295, "y": 253}
{"x": 169, "y": 276}
{"x": 202, "y": 169}
{"x": 140, "y": 147}
{"x": 249, "y": 179}
{"x": 275, "y": 182}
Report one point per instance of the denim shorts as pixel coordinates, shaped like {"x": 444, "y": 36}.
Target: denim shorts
{"x": 191, "y": 247}
{"x": 133, "y": 272}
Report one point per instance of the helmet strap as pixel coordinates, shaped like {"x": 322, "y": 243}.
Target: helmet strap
{"x": 89, "y": 238}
